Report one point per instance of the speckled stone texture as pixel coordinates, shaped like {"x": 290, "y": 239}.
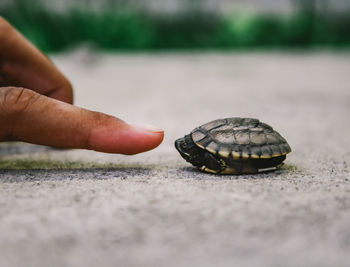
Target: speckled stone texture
{"x": 81, "y": 208}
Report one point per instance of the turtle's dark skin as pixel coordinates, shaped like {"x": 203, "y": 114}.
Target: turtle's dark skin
{"x": 197, "y": 156}
{"x": 233, "y": 146}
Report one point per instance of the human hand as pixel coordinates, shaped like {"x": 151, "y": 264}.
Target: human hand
{"x": 36, "y": 106}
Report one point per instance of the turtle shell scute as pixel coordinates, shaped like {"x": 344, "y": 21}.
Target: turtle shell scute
{"x": 240, "y": 137}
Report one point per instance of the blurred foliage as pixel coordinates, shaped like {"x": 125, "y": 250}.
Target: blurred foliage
{"x": 117, "y": 28}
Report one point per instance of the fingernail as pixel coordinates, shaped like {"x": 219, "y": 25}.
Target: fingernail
{"x": 148, "y": 127}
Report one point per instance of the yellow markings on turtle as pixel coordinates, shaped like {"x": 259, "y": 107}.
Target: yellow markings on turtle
{"x": 287, "y": 148}
{"x": 212, "y": 147}
{"x": 255, "y": 156}
{"x": 208, "y": 170}
{"x": 245, "y": 155}
{"x": 284, "y": 149}
{"x": 236, "y": 155}
{"x": 224, "y": 154}
{"x": 211, "y": 150}
{"x": 223, "y": 163}
{"x": 276, "y": 151}
{"x": 265, "y": 156}
{"x": 276, "y": 155}
{"x": 200, "y": 146}
{"x": 265, "y": 152}
{"x": 245, "y": 152}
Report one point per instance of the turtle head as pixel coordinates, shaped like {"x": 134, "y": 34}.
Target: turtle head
{"x": 197, "y": 156}
{"x": 184, "y": 145}
{"x": 190, "y": 151}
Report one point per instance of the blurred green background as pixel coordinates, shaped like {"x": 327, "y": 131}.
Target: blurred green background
{"x": 120, "y": 25}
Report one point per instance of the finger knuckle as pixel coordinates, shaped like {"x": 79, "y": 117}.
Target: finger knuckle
{"x": 15, "y": 100}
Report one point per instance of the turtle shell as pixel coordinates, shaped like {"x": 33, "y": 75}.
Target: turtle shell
{"x": 240, "y": 138}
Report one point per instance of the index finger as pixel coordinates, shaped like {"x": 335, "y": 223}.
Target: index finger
{"x": 30, "y": 117}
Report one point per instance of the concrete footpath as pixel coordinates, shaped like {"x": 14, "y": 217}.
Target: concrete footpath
{"x": 81, "y": 208}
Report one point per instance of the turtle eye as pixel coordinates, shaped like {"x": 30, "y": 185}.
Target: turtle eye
{"x": 184, "y": 145}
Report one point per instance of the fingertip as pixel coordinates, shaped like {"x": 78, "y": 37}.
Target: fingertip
{"x": 126, "y": 139}
{"x": 158, "y": 139}
{"x": 142, "y": 138}
{"x": 148, "y": 127}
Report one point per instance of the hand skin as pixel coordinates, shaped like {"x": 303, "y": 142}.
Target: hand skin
{"x": 36, "y": 106}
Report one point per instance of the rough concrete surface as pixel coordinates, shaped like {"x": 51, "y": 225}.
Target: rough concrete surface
{"x": 83, "y": 208}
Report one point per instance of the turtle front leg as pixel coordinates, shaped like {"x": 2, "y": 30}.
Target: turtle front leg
{"x": 212, "y": 164}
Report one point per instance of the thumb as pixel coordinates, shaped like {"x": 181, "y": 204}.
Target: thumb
{"x": 30, "y": 117}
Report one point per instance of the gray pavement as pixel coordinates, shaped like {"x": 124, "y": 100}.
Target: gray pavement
{"x": 83, "y": 208}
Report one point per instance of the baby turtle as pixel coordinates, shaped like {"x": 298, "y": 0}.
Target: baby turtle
{"x": 234, "y": 146}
